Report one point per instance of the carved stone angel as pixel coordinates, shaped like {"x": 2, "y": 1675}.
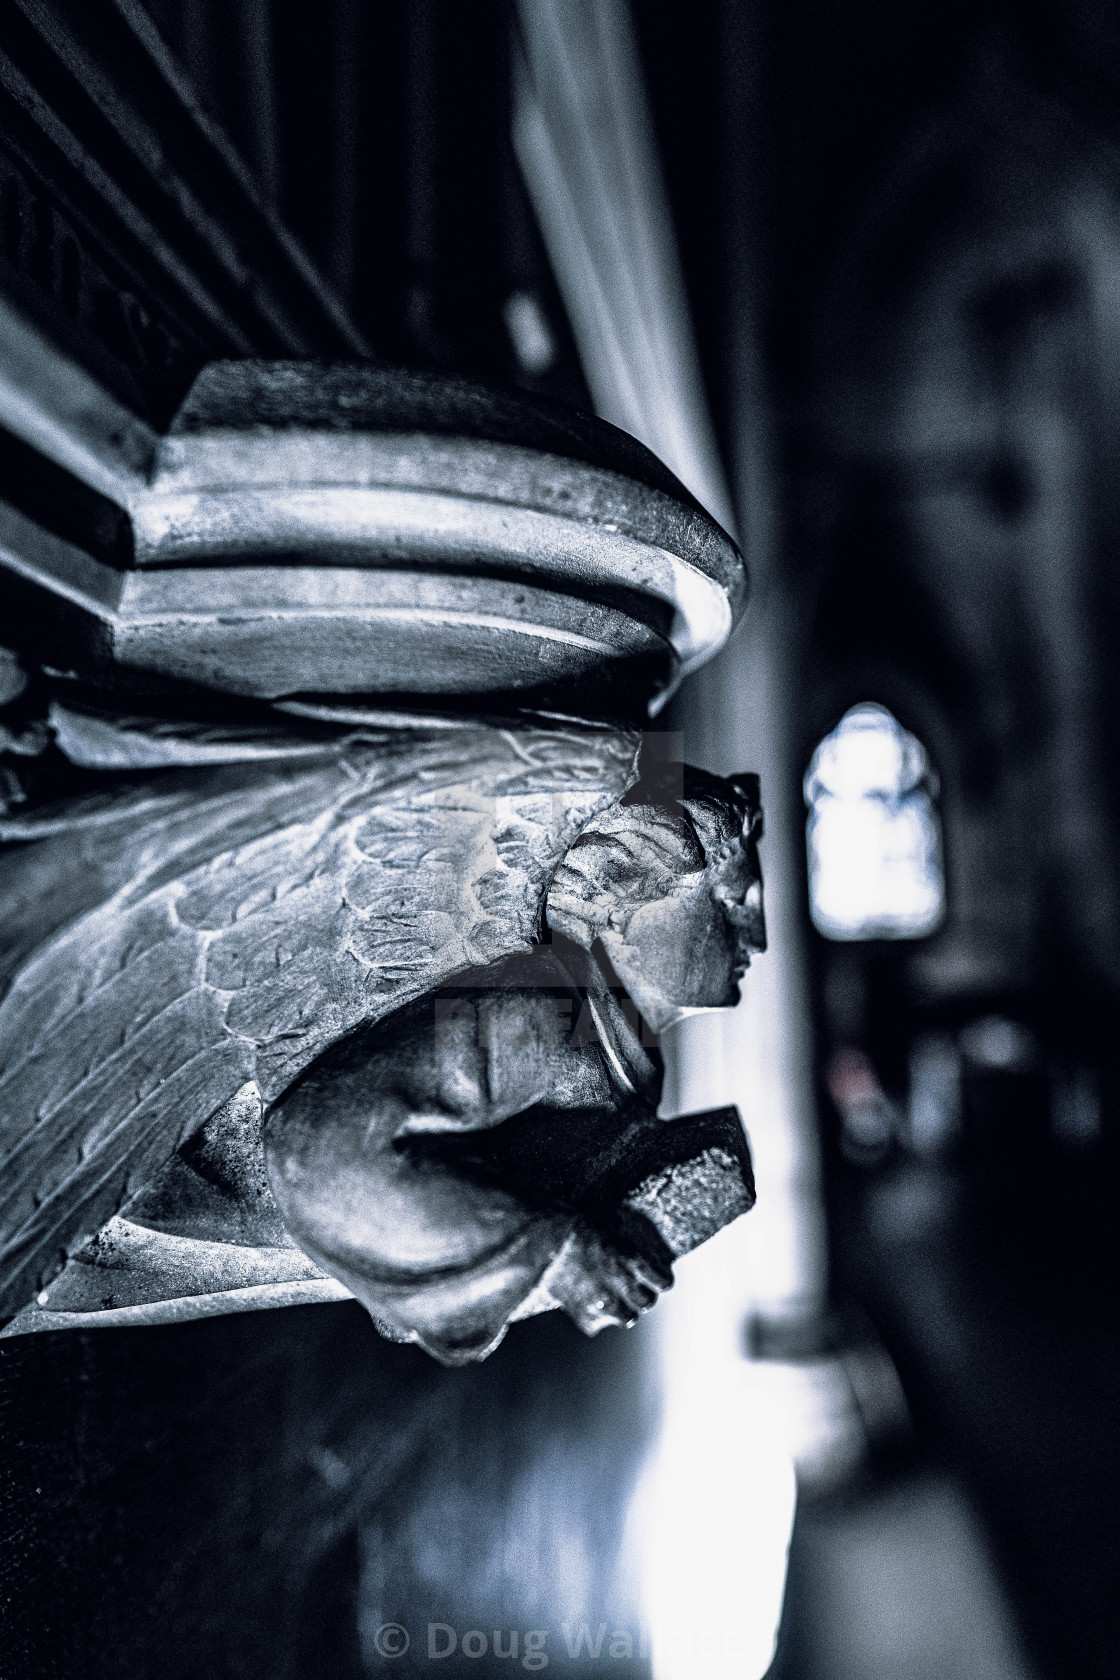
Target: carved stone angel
{"x": 309, "y": 1008}
{"x": 306, "y": 990}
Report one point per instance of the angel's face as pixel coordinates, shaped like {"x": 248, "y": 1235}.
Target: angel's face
{"x": 690, "y": 949}
{"x": 675, "y": 899}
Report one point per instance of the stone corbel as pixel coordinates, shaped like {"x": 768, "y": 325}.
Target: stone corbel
{"x": 340, "y": 916}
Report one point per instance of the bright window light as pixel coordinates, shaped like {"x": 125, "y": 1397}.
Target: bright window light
{"x": 875, "y": 869}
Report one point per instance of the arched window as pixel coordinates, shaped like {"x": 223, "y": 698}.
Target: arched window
{"x": 875, "y": 869}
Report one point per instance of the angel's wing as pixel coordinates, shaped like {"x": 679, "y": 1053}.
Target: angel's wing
{"x": 225, "y": 925}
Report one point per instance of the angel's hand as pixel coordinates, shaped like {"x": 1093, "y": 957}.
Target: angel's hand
{"x": 598, "y": 1283}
